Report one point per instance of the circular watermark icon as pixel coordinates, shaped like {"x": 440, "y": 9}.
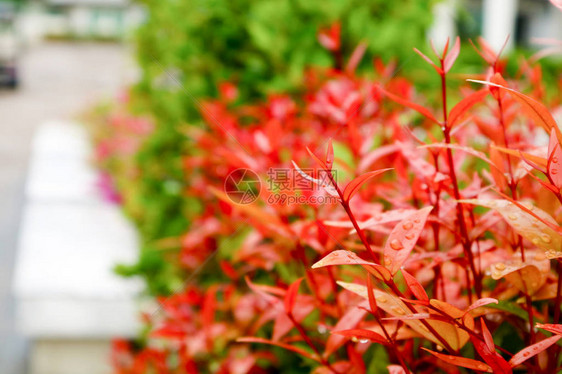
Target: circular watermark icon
{"x": 242, "y": 186}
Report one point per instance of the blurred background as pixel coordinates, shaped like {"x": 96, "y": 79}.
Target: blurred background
{"x": 66, "y": 64}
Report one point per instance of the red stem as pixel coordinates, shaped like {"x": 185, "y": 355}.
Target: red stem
{"x": 466, "y": 243}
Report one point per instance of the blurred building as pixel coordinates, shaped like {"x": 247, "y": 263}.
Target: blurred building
{"x": 78, "y": 19}
{"x": 522, "y": 20}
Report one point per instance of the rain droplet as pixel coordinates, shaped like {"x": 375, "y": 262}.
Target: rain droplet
{"x": 535, "y": 222}
{"x": 354, "y": 339}
{"x": 439, "y": 348}
{"x": 398, "y": 311}
{"x": 482, "y": 367}
{"x": 407, "y": 225}
{"x": 535, "y": 241}
{"x": 387, "y": 261}
{"x": 363, "y": 340}
{"x": 555, "y": 160}
{"x": 512, "y": 216}
{"x": 554, "y": 171}
{"x": 496, "y": 274}
{"x": 500, "y": 266}
{"x": 410, "y": 236}
{"x": 396, "y": 244}
{"x": 546, "y": 238}
{"x": 417, "y": 220}
{"x": 382, "y": 299}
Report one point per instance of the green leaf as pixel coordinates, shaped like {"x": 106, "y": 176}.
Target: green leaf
{"x": 510, "y": 307}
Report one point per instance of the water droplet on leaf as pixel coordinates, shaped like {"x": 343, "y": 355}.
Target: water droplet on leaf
{"x": 396, "y": 244}
{"x": 546, "y": 238}
{"x": 500, "y": 266}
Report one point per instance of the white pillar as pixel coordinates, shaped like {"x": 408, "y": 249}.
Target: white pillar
{"x": 444, "y": 25}
{"x": 499, "y": 18}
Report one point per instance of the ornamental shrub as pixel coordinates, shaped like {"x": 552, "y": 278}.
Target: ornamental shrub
{"x": 386, "y": 234}
{"x": 186, "y": 49}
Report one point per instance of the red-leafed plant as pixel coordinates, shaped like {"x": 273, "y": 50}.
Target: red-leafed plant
{"x": 383, "y": 234}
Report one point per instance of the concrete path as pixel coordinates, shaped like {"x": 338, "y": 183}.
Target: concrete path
{"x": 58, "y": 80}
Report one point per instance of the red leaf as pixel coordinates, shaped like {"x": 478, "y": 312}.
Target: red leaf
{"x": 403, "y": 238}
{"x": 533, "y": 350}
{"x": 437, "y": 68}
{"x": 487, "y": 52}
{"x": 264, "y": 290}
{"x": 498, "y": 172}
{"x": 554, "y": 163}
{"x": 481, "y": 302}
{"x": 418, "y": 108}
{"x": 492, "y": 358}
{"x": 536, "y": 162}
{"x": 555, "y": 329}
{"x": 353, "y": 186}
{"x": 330, "y": 37}
{"x": 461, "y": 361}
{"x": 329, "y": 155}
{"x": 488, "y": 339}
{"x": 291, "y": 295}
{"x": 534, "y": 109}
{"x": 378, "y": 219}
{"x": 371, "y": 295}
{"x": 362, "y": 334}
{"x": 533, "y": 224}
{"x": 348, "y": 321}
{"x": 209, "y": 307}
{"x": 452, "y": 55}
{"x": 321, "y": 163}
{"x": 343, "y": 257}
{"x": 409, "y": 317}
{"x": 331, "y": 190}
{"x": 414, "y": 286}
{"x": 464, "y": 105}
{"x": 445, "y": 49}
{"x": 396, "y": 369}
{"x": 289, "y": 347}
{"x": 459, "y": 147}
{"x": 356, "y": 57}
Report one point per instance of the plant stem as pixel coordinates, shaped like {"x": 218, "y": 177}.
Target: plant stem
{"x": 360, "y": 232}
{"x": 391, "y": 341}
{"x": 309, "y": 342}
{"x": 555, "y": 352}
{"x": 398, "y": 293}
{"x": 460, "y": 210}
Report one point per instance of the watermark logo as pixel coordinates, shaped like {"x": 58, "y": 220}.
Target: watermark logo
{"x": 242, "y": 186}
{"x": 286, "y": 186}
